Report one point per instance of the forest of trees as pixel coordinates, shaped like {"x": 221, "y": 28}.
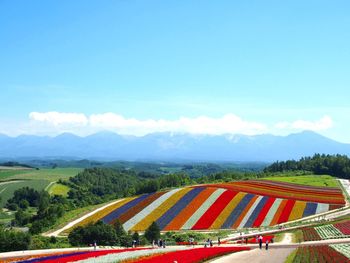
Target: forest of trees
{"x": 335, "y": 165}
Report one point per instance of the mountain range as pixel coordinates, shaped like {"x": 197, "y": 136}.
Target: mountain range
{"x": 171, "y": 147}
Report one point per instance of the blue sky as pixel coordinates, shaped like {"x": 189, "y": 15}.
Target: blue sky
{"x": 185, "y": 66}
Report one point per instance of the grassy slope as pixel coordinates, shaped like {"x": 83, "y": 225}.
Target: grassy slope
{"x": 8, "y": 189}
{"x": 312, "y": 180}
{"x": 37, "y": 179}
{"x": 58, "y": 189}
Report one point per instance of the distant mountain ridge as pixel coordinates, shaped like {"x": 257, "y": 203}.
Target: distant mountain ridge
{"x": 168, "y": 146}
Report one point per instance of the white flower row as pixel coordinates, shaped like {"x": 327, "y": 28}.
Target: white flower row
{"x": 148, "y": 209}
{"x": 329, "y": 231}
{"x": 116, "y": 257}
{"x": 321, "y": 208}
{"x": 202, "y": 209}
{"x": 250, "y": 211}
{"x": 343, "y": 249}
{"x": 270, "y": 215}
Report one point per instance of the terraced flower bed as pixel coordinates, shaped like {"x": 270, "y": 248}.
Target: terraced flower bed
{"x": 320, "y": 254}
{"x": 329, "y": 231}
{"x": 221, "y": 206}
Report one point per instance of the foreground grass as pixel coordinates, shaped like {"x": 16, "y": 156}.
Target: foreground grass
{"x": 311, "y": 180}
{"x": 291, "y": 257}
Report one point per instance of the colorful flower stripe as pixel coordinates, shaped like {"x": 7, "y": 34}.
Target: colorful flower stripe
{"x": 232, "y": 218}
{"x": 292, "y": 191}
{"x": 271, "y": 214}
{"x": 286, "y": 211}
{"x": 72, "y": 257}
{"x": 137, "y": 208}
{"x": 221, "y": 219}
{"x": 188, "y": 211}
{"x": 263, "y": 212}
{"x": 321, "y": 208}
{"x": 213, "y": 212}
{"x": 193, "y": 255}
{"x": 249, "y": 211}
{"x": 203, "y": 208}
{"x": 333, "y": 206}
{"x": 128, "y": 256}
{"x": 252, "y": 218}
{"x": 178, "y": 207}
{"x": 116, "y": 213}
{"x": 244, "y": 212}
{"x": 297, "y": 211}
{"x": 343, "y": 227}
{"x": 160, "y": 210}
{"x": 100, "y": 214}
{"x": 310, "y": 209}
{"x": 278, "y": 213}
{"x": 149, "y": 209}
{"x": 321, "y": 253}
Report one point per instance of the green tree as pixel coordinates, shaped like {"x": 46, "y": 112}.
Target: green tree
{"x": 152, "y": 232}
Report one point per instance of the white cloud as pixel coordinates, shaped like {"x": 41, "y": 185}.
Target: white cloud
{"x": 229, "y": 123}
{"x": 81, "y": 124}
{"x": 59, "y": 118}
{"x": 324, "y": 123}
{"x": 74, "y": 122}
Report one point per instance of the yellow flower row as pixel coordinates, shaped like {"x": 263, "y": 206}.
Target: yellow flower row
{"x": 100, "y": 214}
{"x": 160, "y": 210}
{"x": 220, "y": 220}
{"x": 298, "y": 210}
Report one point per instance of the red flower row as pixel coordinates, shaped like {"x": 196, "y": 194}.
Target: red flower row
{"x": 192, "y": 255}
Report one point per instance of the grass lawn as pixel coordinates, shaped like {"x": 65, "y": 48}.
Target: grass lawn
{"x": 58, "y": 189}
{"x": 7, "y": 190}
{"x": 312, "y": 180}
{"x": 51, "y": 175}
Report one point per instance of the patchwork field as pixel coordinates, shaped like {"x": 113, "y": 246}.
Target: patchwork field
{"x": 235, "y": 205}
{"x": 13, "y": 179}
{"x": 7, "y": 188}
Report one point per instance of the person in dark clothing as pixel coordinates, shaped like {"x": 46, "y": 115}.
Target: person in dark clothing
{"x": 267, "y": 244}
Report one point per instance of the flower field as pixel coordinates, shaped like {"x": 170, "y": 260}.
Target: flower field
{"x": 192, "y": 255}
{"x": 181, "y": 254}
{"x": 322, "y": 254}
{"x": 222, "y": 206}
{"x": 338, "y": 230}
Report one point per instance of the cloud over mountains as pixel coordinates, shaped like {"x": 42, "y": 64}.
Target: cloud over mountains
{"x": 230, "y": 123}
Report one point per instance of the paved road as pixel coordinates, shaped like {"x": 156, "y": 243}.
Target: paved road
{"x": 273, "y": 255}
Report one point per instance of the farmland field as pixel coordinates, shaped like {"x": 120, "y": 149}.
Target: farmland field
{"x": 42, "y": 174}
{"x": 7, "y": 189}
{"x": 312, "y": 180}
{"x": 13, "y": 179}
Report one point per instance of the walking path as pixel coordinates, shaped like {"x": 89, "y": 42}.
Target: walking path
{"x": 76, "y": 221}
{"x": 273, "y": 255}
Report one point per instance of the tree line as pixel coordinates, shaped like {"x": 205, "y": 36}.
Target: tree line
{"x": 335, "y": 165}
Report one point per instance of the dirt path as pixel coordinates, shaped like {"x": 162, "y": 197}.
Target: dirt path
{"x": 76, "y": 221}
{"x": 287, "y": 238}
{"x": 11, "y": 182}
{"x": 273, "y": 255}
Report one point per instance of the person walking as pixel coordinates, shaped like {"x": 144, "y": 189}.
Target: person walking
{"x": 260, "y": 241}
{"x": 219, "y": 241}
{"x": 267, "y": 244}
